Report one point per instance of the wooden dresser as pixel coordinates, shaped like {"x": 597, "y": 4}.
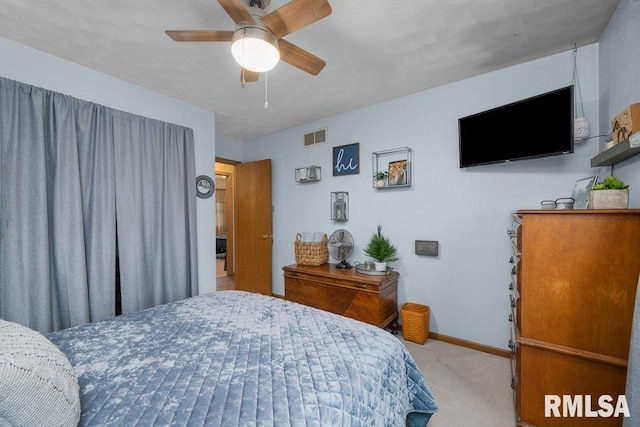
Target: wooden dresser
{"x": 371, "y": 299}
{"x": 573, "y": 286}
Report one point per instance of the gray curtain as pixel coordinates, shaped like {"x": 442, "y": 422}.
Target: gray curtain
{"x": 156, "y": 214}
{"x": 58, "y": 192}
{"x": 221, "y": 212}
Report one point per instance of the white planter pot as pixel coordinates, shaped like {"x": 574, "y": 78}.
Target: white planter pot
{"x": 581, "y": 128}
{"x": 380, "y": 183}
{"x": 381, "y": 266}
{"x": 609, "y": 199}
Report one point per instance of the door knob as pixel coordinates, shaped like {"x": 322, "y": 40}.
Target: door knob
{"x": 266, "y": 236}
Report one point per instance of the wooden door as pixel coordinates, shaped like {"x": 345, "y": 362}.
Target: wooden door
{"x": 253, "y": 227}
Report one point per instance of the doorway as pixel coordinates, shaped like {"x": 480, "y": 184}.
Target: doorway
{"x": 221, "y": 226}
{"x": 253, "y": 226}
{"x": 248, "y": 218}
{"x": 225, "y": 265}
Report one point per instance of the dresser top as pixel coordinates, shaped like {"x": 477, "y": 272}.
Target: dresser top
{"x": 578, "y": 211}
{"x": 330, "y": 270}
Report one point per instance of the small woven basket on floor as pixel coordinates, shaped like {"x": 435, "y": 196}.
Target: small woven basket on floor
{"x": 311, "y": 253}
{"x": 415, "y": 322}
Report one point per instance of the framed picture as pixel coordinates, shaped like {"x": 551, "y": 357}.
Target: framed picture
{"x": 397, "y": 173}
{"x": 581, "y": 192}
{"x": 346, "y": 159}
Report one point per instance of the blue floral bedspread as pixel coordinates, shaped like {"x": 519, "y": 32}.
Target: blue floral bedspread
{"x": 234, "y": 358}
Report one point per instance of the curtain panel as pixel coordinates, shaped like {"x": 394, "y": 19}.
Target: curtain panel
{"x": 221, "y": 212}
{"x": 156, "y": 213}
{"x": 59, "y": 193}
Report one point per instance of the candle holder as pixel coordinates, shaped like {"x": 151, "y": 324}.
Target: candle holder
{"x": 340, "y": 206}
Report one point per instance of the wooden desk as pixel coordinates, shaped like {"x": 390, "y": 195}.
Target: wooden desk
{"x": 371, "y": 299}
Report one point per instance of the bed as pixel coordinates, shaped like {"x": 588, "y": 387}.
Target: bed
{"x": 236, "y": 358}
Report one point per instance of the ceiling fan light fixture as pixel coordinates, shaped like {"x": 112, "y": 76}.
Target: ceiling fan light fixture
{"x": 255, "y": 49}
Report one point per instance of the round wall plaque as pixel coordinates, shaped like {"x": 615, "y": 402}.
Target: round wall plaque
{"x": 204, "y": 186}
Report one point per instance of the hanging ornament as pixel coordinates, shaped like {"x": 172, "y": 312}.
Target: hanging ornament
{"x": 581, "y": 125}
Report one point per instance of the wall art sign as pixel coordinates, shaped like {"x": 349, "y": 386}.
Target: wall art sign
{"x": 346, "y": 159}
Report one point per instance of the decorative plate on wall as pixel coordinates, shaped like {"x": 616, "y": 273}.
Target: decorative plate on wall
{"x": 204, "y": 186}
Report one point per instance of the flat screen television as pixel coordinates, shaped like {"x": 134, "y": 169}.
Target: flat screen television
{"x": 534, "y": 127}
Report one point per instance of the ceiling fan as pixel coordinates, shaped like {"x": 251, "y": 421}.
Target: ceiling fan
{"x": 257, "y": 42}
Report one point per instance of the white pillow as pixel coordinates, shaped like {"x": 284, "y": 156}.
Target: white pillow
{"x": 37, "y": 384}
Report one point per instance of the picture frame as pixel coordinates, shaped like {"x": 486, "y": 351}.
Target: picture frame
{"x": 397, "y": 173}
{"x": 581, "y": 192}
{"x": 346, "y": 159}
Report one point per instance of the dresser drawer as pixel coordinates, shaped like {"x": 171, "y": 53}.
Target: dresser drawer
{"x": 360, "y": 285}
{"x": 306, "y": 292}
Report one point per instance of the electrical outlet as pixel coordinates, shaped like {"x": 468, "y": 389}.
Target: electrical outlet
{"x": 427, "y": 247}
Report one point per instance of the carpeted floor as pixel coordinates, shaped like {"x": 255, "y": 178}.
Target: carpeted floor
{"x": 471, "y": 388}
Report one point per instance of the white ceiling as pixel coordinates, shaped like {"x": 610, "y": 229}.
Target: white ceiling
{"x": 375, "y": 49}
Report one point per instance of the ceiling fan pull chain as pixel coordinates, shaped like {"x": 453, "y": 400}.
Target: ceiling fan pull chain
{"x": 266, "y": 93}
{"x": 244, "y": 33}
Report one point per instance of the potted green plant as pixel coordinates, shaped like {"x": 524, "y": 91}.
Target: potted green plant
{"x": 379, "y": 177}
{"x": 381, "y": 249}
{"x": 610, "y": 193}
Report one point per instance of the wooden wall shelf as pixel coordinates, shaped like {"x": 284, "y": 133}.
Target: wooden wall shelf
{"x": 619, "y": 152}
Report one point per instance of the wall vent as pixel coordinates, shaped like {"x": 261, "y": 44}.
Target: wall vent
{"x": 317, "y": 137}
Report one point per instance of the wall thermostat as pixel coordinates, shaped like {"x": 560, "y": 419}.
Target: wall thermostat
{"x": 427, "y": 247}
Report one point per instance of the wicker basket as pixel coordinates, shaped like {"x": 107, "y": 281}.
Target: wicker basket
{"x": 415, "y": 322}
{"x": 311, "y": 253}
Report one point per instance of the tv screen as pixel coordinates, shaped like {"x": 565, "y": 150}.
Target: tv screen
{"x": 534, "y": 127}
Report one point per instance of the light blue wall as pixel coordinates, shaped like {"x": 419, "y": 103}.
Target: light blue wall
{"x": 228, "y": 148}
{"x": 620, "y": 83}
{"x": 466, "y": 210}
{"x": 36, "y": 68}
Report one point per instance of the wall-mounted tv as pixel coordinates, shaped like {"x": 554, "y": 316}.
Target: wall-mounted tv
{"x": 533, "y": 127}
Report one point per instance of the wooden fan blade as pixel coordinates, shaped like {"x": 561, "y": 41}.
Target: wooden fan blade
{"x": 249, "y": 76}
{"x": 295, "y": 15}
{"x": 293, "y": 55}
{"x": 237, "y": 11}
{"x": 200, "y": 35}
